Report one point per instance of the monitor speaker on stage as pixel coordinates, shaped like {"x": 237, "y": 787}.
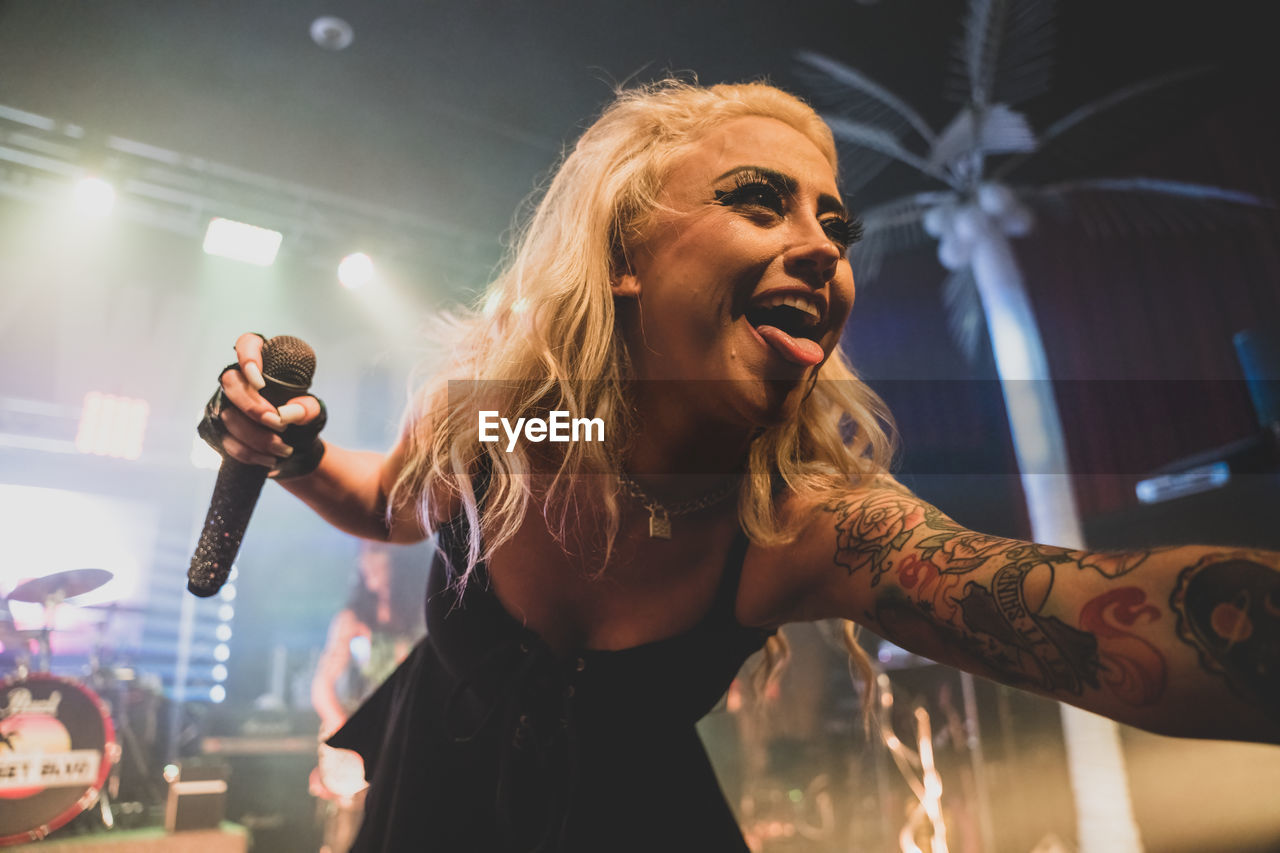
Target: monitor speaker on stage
{"x": 1224, "y": 495}
{"x": 197, "y": 795}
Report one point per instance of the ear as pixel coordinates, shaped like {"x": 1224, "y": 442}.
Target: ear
{"x": 626, "y": 285}
{"x": 622, "y": 275}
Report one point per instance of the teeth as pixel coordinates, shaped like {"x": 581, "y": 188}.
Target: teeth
{"x": 794, "y": 301}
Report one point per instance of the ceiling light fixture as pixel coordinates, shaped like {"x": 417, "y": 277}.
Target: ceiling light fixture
{"x": 240, "y": 241}
{"x": 331, "y": 33}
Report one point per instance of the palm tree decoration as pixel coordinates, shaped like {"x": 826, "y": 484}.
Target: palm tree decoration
{"x": 973, "y": 214}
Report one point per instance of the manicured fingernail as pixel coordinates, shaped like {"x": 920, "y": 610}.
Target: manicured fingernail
{"x": 272, "y": 420}
{"x": 291, "y": 413}
{"x": 254, "y": 375}
{"x": 283, "y": 450}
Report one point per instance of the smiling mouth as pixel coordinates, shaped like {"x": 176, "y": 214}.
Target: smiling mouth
{"x": 796, "y": 322}
{"x": 791, "y": 327}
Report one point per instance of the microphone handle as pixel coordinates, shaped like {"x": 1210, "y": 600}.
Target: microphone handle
{"x": 235, "y": 494}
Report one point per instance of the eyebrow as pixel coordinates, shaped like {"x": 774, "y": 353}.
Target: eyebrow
{"x": 827, "y": 203}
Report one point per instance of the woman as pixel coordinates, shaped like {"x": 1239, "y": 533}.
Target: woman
{"x": 685, "y": 280}
{"x": 368, "y": 638}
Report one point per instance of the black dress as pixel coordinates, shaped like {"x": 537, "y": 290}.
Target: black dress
{"x": 485, "y": 739}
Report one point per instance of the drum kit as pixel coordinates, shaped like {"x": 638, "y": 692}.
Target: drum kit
{"x": 61, "y": 738}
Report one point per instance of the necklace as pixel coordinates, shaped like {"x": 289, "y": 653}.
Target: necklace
{"x": 660, "y": 515}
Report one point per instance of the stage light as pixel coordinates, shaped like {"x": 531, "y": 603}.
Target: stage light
{"x": 217, "y": 693}
{"x": 240, "y": 241}
{"x": 219, "y": 672}
{"x": 223, "y": 632}
{"x": 94, "y": 197}
{"x": 221, "y": 652}
{"x": 229, "y": 592}
{"x": 355, "y": 270}
{"x": 112, "y": 426}
{"x": 226, "y": 613}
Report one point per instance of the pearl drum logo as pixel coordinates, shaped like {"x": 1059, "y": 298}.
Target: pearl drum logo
{"x": 57, "y": 745}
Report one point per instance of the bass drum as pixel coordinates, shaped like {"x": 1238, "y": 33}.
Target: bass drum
{"x": 57, "y": 747}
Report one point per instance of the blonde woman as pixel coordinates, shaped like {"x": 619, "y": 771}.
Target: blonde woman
{"x": 684, "y": 281}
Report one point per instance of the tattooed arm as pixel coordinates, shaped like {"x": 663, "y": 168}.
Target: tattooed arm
{"x": 1182, "y": 641}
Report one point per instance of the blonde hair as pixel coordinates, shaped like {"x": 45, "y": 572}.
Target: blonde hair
{"x": 545, "y": 338}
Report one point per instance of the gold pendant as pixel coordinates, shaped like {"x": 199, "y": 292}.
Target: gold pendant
{"x": 659, "y": 525}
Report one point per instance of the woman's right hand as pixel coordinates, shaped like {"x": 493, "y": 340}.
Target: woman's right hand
{"x": 249, "y": 428}
{"x": 347, "y": 488}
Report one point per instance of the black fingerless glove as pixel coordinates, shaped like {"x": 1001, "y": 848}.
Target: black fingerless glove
{"x": 308, "y": 449}
{"x": 211, "y": 428}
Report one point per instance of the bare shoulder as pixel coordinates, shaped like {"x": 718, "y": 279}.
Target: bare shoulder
{"x": 786, "y": 583}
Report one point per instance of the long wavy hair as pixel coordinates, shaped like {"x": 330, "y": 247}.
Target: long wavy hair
{"x": 545, "y": 337}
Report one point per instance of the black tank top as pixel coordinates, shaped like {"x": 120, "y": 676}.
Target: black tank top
{"x": 485, "y": 739}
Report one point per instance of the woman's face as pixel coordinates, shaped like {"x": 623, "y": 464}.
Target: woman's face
{"x": 375, "y": 568}
{"x": 745, "y": 278}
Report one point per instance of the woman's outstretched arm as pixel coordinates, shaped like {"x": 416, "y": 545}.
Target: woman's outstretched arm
{"x": 1180, "y": 640}
{"x": 348, "y": 488}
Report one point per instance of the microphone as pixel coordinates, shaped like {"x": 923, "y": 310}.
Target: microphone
{"x": 288, "y": 364}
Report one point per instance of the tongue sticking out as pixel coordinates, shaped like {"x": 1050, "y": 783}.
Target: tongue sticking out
{"x": 795, "y": 350}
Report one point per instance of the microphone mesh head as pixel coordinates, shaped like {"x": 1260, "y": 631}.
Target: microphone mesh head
{"x": 289, "y": 360}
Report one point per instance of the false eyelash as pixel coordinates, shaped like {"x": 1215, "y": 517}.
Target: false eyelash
{"x": 750, "y": 180}
{"x": 842, "y": 231}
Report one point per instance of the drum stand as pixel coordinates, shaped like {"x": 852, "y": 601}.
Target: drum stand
{"x": 44, "y": 641}
{"x": 107, "y": 682}
{"x": 113, "y": 693}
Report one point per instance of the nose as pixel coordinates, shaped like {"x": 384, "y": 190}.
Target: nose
{"x": 812, "y": 257}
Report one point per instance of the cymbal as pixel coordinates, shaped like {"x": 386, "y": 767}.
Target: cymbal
{"x": 114, "y": 607}
{"x": 60, "y": 585}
